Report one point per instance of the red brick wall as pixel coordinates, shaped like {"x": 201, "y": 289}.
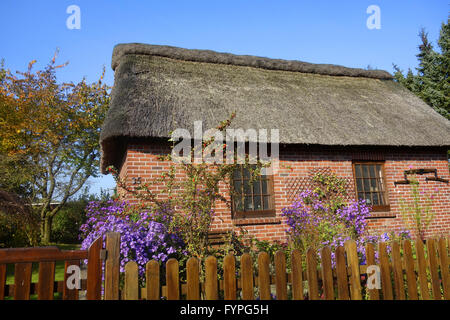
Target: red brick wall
{"x": 297, "y": 163}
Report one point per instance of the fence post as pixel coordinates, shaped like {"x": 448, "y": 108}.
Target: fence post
{"x": 311, "y": 274}
{"x": 327, "y": 274}
{"x": 386, "y": 283}
{"x": 247, "y": 277}
{"x": 172, "y": 279}
{"x": 353, "y": 263}
{"x": 131, "y": 286}
{"x": 297, "y": 275}
{"x": 193, "y": 279}
{"x": 229, "y": 277}
{"x": 112, "y": 266}
{"x": 211, "y": 289}
{"x": 443, "y": 258}
{"x": 433, "y": 263}
{"x": 341, "y": 273}
{"x": 370, "y": 260}
{"x": 94, "y": 270}
{"x": 398, "y": 271}
{"x": 264, "y": 276}
{"x": 410, "y": 272}
{"x": 280, "y": 275}
{"x": 152, "y": 280}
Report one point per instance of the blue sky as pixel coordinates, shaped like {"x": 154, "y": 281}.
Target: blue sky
{"x": 314, "y": 31}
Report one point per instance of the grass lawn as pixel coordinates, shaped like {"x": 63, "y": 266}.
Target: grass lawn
{"x": 59, "y": 266}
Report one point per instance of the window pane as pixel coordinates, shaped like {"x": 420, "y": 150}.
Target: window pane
{"x": 368, "y": 199}
{"x": 247, "y": 187}
{"x": 257, "y": 187}
{"x": 358, "y": 170}
{"x": 266, "y": 203}
{"x": 238, "y": 204}
{"x": 365, "y": 171}
{"x": 359, "y": 185}
{"x": 361, "y": 195}
{"x": 373, "y": 185}
{"x": 264, "y": 186}
{"x": 379, "y": 172}
{"x": 372, "y": 171}
{"x": 258, "y": 204}
{"x": 376, "y": 201}
{"x": 237, "y": 174}
{"x": 246, "y": 173}
{"x": 238, "y": 186}
{"x": 366, "y": 185}
{"x": 248, "y": 205}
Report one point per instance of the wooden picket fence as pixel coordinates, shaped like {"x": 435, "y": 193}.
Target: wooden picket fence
{"x": 402, "y": 276}
{"x": 405, "y": 274}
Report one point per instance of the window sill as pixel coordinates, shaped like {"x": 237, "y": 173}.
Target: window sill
{"x": 381, "y": 214}
{"x": 253, "y": 220}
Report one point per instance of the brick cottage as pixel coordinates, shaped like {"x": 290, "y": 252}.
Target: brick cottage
{"x": 358, "y": 124}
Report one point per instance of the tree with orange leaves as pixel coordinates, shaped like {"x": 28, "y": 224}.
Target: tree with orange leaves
{"x": 49, "y": 137}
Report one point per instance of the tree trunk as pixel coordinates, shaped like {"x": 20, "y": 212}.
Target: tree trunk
{"x": 46, "y": 229}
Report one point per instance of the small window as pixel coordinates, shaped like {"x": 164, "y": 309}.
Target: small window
{"x": 252, "y": 197}
{"x": 370, "y": 184}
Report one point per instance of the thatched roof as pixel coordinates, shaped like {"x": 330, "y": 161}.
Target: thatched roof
{"x": 159, "y": 88}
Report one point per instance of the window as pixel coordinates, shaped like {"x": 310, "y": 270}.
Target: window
{"x": 250, "y": 198}
{"x": 370, "y": 184}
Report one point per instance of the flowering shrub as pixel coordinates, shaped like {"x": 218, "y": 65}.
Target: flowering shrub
{"x": 144, "y": 235}
{"x": 314, "y": 222}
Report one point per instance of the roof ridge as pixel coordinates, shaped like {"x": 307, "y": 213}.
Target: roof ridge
{"x": 210, "y": 56}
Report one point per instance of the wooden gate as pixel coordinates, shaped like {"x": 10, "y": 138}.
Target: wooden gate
{"x": 23, "y": 258}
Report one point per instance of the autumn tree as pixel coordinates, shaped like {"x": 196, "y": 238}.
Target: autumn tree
{"x": 49, "y": 137}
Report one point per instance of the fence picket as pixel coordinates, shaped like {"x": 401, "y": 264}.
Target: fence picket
{"x": 327, "y": 274}
{"x": 247, "y": 277}
{"x": 410, "y": 273}
{"x": 385, "y": 270}
{"x": 264, "y": 276}
{"x": 443, "y": 261}
{"x": 280, "y": 275}
{"x": 211, "y": 284}
{"x": 311, "y": 274}
{"x": 112, "y": 266}
{"x": 370, "y": 261}
{"x": 353, "y": 263}
{"x": 422, "y": 270}
{"x": 152, "y": 280}
{"x": 46, "y": 280}
{"x": 229, "y": 277}
{"x": 22, "y": 280}
{"x": 432, "y": 260}
{"x": 193, "y": 279}
{"x": 341, "y": 273}
{"x": 172, "y": 279}
{"x": 2, "y": 281}
{"x": 69, "y": 294}
{"x": 399, "y": 286}
{"x": 131, "y": 286}
{"x": 94, "y": 270}
{"x": 297, "y": 275}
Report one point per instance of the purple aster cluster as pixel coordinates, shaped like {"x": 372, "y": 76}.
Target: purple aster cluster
{"x": 311, "y": 218}
{"x": 144, "y": 236}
